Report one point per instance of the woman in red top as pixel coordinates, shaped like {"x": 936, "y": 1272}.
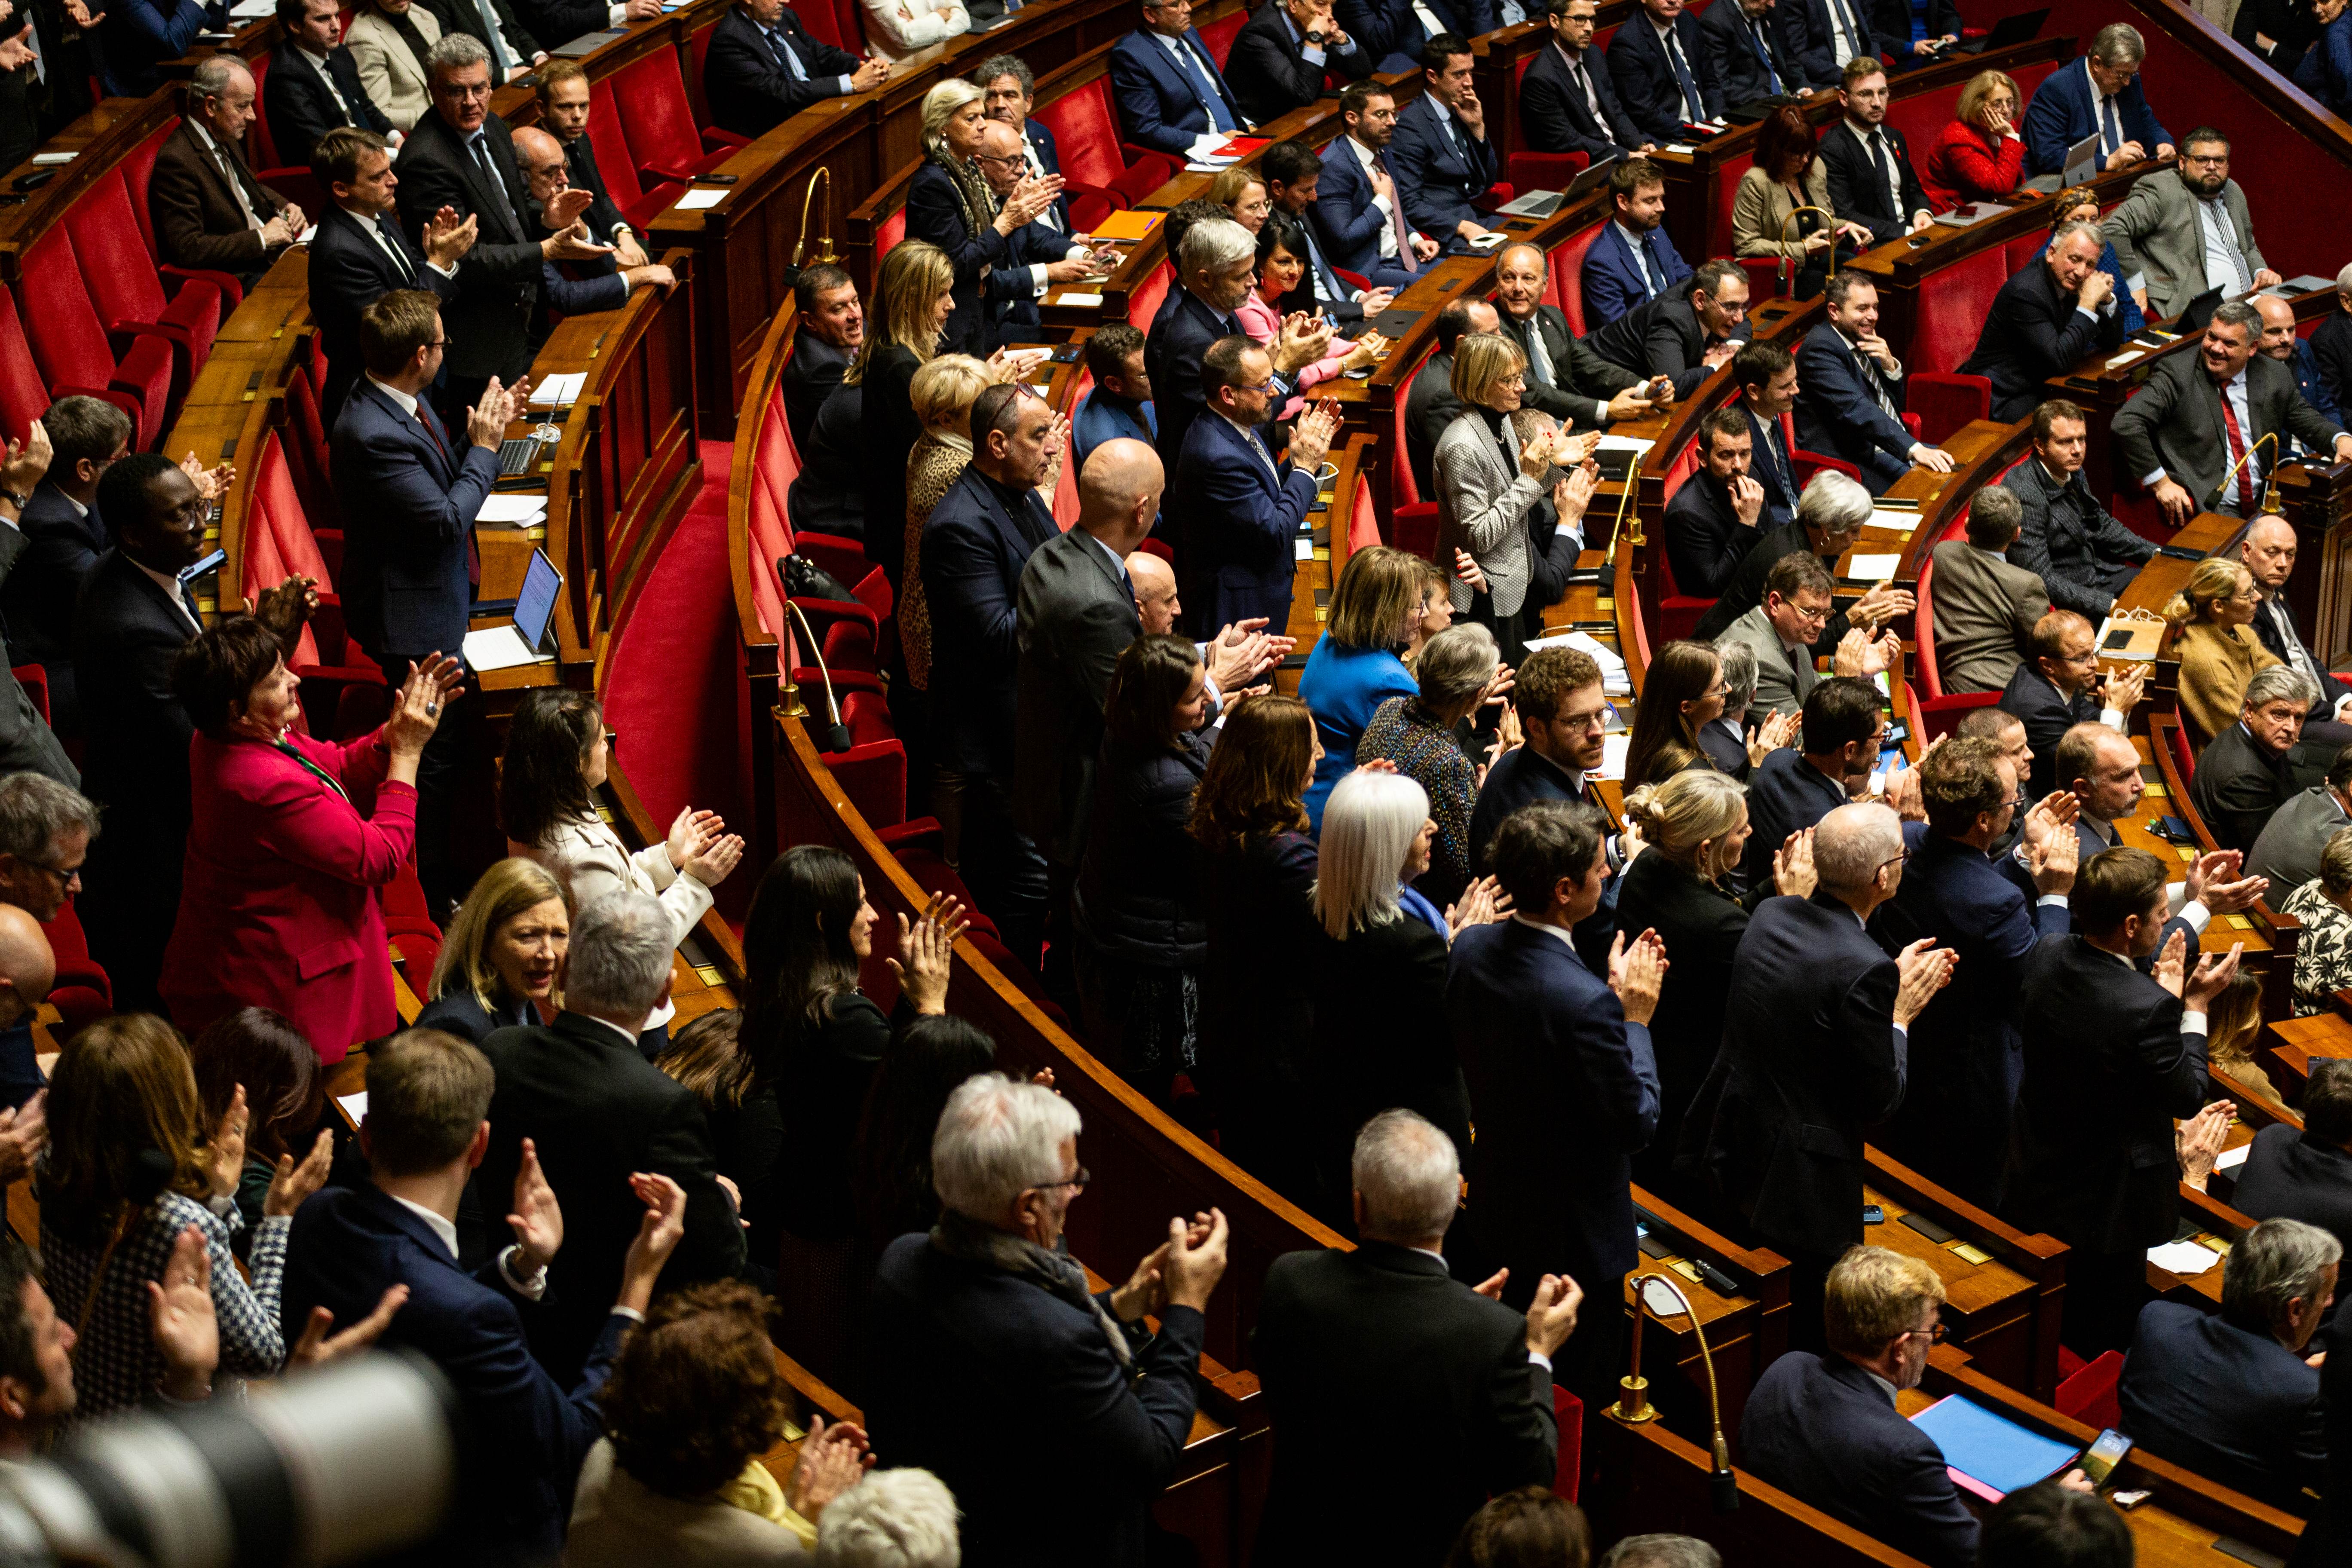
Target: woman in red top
{"x": 1979, "y": 157}
{"x": 289, "y": 841}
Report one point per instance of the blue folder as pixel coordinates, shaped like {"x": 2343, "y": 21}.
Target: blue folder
{"x": 1991, "y": 1451}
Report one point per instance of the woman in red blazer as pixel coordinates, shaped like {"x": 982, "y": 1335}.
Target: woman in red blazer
{"x": 290, "y": 839}
{"x": 1979, "y": 157}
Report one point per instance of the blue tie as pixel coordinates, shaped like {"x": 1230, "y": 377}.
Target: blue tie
{"x": 791, "y": 61}
{"x": 1764, "y": 53}
{"x": 1694, "y": 108}
{"x": 2113, "y": 137}
{"x": 1205, "y": 85}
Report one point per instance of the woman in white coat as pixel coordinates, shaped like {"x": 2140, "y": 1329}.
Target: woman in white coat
{"x": 556, "y": 758}
{"x": 383, "y": 37}
{"x": 896, "y": 29}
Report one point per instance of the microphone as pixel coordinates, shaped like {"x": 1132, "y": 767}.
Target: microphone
{"x": 1634, "y": 1408}
{"x": 836, "y": 735}
{"x": 2269, "y": 497}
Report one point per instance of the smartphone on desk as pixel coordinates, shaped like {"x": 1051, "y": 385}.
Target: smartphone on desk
{"x": 2099, "y": 1462}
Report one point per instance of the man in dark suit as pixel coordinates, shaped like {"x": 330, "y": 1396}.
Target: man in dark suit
{"x": 2046, "y": 321}
{"x": 1853, "y": 406}
{"x": 1282, "y": 56}
{"x": 1796, "y": 786}
{"x": 2112, "y": 1056}
{"x": 1633, "y": 258}
{"x": 2083, "y": 556}
{"x": 1814, "y": 1048}
{"x": 1237, "y": 511}
{"x": 564, "y": 103}
{"x": 1830, "y": 516}
{"x": 1869, "y": 161}
{"x": 1567, "y": 102}
{"x": 512, "y": 51}
{"x": 1171, "y": 96}
{"x": 393, "y": 1242}
{"x": 1825, "y": 1429}
{"x": 2058, "y": 685}
{"x": 833, "y": 324}
{"x": 2098, "y": 94}
{"x": 762, "y": 69}
{"x": 360, "y": 253}
{"x": 975, "y": 549}
{"x": 1954, "y": 1122}
{"x": 2229, "y": 1394}
{"x": 2100, "y": 767}
{"x": 1037, "y": 254}
{"x": 1711, "y": 521}
{"x": 2243, "y": 774}
{"x": 1443, "y": 161}
{"x": 314, "y": 84}
{"x": 2289, "y": 851}
{"x": 460, "y": 157}
{"x": 1293, "y": 172}
{"x": 2268, "y": 548}
{"x": 1751, "y": 52}
{"x": 1680, "y": 339}
{"x": 989, "y": 1299}
{"x": 1359, "y": 214}
{"x": 210, "y": 214}
{"x": 1658, "y": 60}
{"x": 1217, "y": 266}
{"x": 561, "y": 21}
{"x": 1010, "y": 89}
{"x": 578, "y": 1096}
{"x": 2192, "y": 433}
{"x": 64, "y": 534}
{"x": 26, "y": 739}
{"x": 1835, "y": 32}
{"x": 2305, "y": 1174}
{"x": 1546, "y": 1038}
{"x": 1120, "y": 405}
{"x": 1566, "y": 376}
{"x": 1986, "y": 606}
{"x": 1429, "y": 405}
{"x": 829, "y": 495}
{"x": 1766, "y": 375}
{"x": 600, "y": 285}
{"x": 1394, "y": 32}
{"x": 1457, "y": 1356}
{"x": 2283, "y": 340}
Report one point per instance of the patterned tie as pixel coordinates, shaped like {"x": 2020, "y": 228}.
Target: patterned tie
{"x": 2238, "y": 456}
{"x": 1694, "y": 107}
{"x": 1396, "y": 220}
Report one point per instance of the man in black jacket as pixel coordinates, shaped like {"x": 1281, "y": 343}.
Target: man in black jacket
{"x": 2047, "y": 320}
{"x": 2243, "y": 774}
{"x": 64, "y": 534}
{"x": 26, "y": 739}
{"x": 1751, "y": 50}
{"x": 1567, "y": 102}
{"x": 361, "y": 254}
{"x": 561, "y": 21}
{"x": 1766, "y": 375}
{"x": 1682, "y": 341}
{"x": 1869, "y": 161}
{"x": 2083, "y": 556}
{"x": 762, "y": 69}
{"x": 314, "y": 84}
{"x": 2057, "y": 686}
{"x": 564, "y": 104}
{"x": 1712, "y": 520}
{"x": 1478, "y": 1370}
{"x": 1283, "y": 54}
{"x": 833, "y": 325}
{"x": 2307, "y": 1175}
{"x": 2112, "y": 1058}
{"x": 595, "y": 1111}
{"x": 1566, "y": 377}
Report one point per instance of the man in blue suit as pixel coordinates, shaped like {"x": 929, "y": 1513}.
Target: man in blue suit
{"x": 1549, "y": 1042}
{"x": 2100, "y": 767}
{"x": 1832, "y": 32}
{"x": 409, "y": 492}
{"x": 1171, "y": 96}
{"x": 2281, "y": 342}
{"x": 1037, "y": 254}
{"x": 1854, "y": 400}
{"x": 1010, "y": 87}
{"x": 978, "y": 539}
{"x": 763, "y": 67}
{"x": 1766, "y": 375}
{"x": 353, "y": 1248}
{"x": 1632, "y": 259}
{"x": 2229, "y": 1394}
{"x": 1293, "y": 172}
{"x": 1815, "y": 1050}
{"x": 362, "y": 252}
{"x": 1393, "y": 32}
{"x": 64, "y": 535}
{"x": 1443, "y": 161}
{"x": 1120, "y": 405}
{"x": 1217, "y": 261}
{"x": 1358, "y": 215}
{"x": 2099, "y": 93}
{"x": 2057, "y": 686}
{"x": 1658, "y": 60}
{"x": 1235, "y": 509}
{"x": 1567, "y": 102}
{"x": 1753, "y": 51}
{"x": 1965, "y": 1048}
{"x": 1796, "y": 786}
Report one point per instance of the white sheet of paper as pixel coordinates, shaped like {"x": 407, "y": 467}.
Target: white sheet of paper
{"x": 520, "y": 511}
{"x": 1612, "y": 755}
{"x": 1902, "y": 522}
{"x": 1303, "y": 549}
{"x": 1872, "y": 568}
{"x": 308, "y": 235}
{"x": 1085, "y": 301}
{"x": 557, "y": 391}
{"x": 354, "y": 1106}
{"x": 501, "y": 648}
{"x": 2126, "y": 357}
{"x": 2231, "y": 1159}
{"x": 699, "y": 198}
{"x": 51, "y": 160}
{"x": 2185, "y": 1259}
{"x": 1679, "y": 147}
{"x": 1624, "y": 444}
{"x": 249, "y": 10}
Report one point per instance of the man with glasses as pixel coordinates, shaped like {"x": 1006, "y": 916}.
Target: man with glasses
{"x": 2081, "y": 553}
{"x": 46, "y": 830}
{"x": 1036, "y": 255}
{"x": 1359, "y": 214}
{"x": 1782, "y": 630}
{"x": 1237, "y": 509}
{"x": 1830, "y": 516}
{"x": 2188, "y": 231}
{"x": 1010, "y": 89}
{"x": 1171, "y": 96}
{"x": 2059, "y": 685}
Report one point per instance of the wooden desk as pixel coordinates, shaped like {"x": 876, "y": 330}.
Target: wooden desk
{"x": 2290, "y": 1044}
{"x": 1746, "y": 1326}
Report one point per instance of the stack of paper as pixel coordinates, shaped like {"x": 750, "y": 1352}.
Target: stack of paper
{"x": 699, "y": 198}
{"x": 512, "y": 511}
{"x": 1870, "y": 568}
{"x": 51, "y": 160}
{"x": 2231, "y": 1159}
{"x": 2185, "y": 1259}
{"x": 1614, "y": 681}
{"x": 252, "y": 10}
{"x": 1633, "y": 444}
{"x": 558, "y": 391}
{"x": 1901, "y": 522}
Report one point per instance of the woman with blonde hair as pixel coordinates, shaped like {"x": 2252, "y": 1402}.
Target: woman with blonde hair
{"x": 1694, "y": 829}
{"x": 502, "y": 957}
{"x": 2233, "y": 1024}
{"x": 388, "y": 40}
{"x": 2213, "y": 621}
{"x": 951, "y": 203}
{"x": 942, "y": 393}
{"x": 1375, "y": 609}
{"x": 1979, "y": 156}
{"x": 1240, "y": 191}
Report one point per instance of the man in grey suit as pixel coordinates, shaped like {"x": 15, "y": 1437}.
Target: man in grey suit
{"x": 1781, "y": 631}
{"x": 2195, "y": 418}
{"x": 25, "y": 741}
{"x": 1984, "y": 607}
{"x": 2288, "y": 852}
{"x": 2185, "y": 229}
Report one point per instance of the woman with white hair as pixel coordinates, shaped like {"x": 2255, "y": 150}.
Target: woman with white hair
{"x": 950, "y": 203}
{"x": 1456, "y": 670}
{"x": 892, "y": 1518}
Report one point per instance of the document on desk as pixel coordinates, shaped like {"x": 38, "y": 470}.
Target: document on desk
{"x": 558, "y": 391}
{"x": 1989, "y": 1454}
{"x": 1871, "y": 568}
{"x": 701, "y": 198}
{"x": 2124, "y": 358}
{"x": 354, "y": 1106}
{"x": 2185, "y": 1259}
{"x": 501, "y": 648}
{"x": 1901, "y": 522}
{"x": 511, "y": 511}
{"x": 2231, "y": 1159}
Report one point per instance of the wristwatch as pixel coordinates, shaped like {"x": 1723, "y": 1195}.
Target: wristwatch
{"x": 1315, "y": 36}
{"x": 22, "y": 501}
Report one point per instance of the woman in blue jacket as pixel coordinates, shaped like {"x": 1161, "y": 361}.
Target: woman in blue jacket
{"x": 1357, "y": 664}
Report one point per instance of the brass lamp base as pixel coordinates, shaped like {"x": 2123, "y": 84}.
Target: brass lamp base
{"x": 1632, "y": 1406}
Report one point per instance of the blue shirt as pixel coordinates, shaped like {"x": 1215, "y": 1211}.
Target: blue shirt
{"x": 1343, "y": 687}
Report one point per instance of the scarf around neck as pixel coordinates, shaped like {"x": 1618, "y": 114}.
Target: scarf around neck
{"x": 1051, "y": 1269}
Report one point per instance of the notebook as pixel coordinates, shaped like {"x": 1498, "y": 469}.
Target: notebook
{"x": 1128, "y": 223}
{"x": 1990, "y": 1454}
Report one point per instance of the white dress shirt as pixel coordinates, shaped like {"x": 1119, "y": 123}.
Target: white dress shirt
{"x": 529, "y": 1287}
{"x": 2225, "y": 264}
{"x": 236, "y": 186}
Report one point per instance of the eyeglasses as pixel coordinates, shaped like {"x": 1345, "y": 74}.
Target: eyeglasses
{"x": 65, "y": 877}
{"x": 1078, "y": 1181}
{"x": 2207, "y": 160}
{"x": 1265, "y": 386}
{"x": 1519, "y": 381}
{"x": 1936, "y": 1334}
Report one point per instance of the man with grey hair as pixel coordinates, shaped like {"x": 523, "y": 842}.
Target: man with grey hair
{"x": 210, "y": 214}
{"x": 2230, "y": 1395}
{"x": 45, "y": 834}
{"x": 1830, "y": 516}
{"x": 2100, "y": 95}
{"x": 2246, "y": 771}
{"x": 601, "y": 1118}
{"x": 1815, "y": 1050}
{"x": 902, "y": 1517}
{"x": 1476, "y": 1372}
{"x": 1986, "y": 606}
{"x": 1217, "y": 266}
{"x": 2047, "y": 320}
{"x": 1661, "y": 1551}
{"x": 987, "y": 1319}
{"x": 1009, "y": 88}
{"x": 2192, "y": 434}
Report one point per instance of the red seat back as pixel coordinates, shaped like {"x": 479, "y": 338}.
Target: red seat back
{"x": 118, "y": 267}
{"x": 821, "y": 20}
{"x": 2089, "y": 1396}
{"x": 648, "y": 100}
{"x": 61, "y": 323}
{"x": 1403, "y": 488}
{"x": 260, "y": 147}
{"x": 138, "y": 166}
{"x": 1951, "y": 315}
{"x": 775, "y": 466}
{"x": 1568, "y": 1414}
{"x": 698, "y": 45}
{"x": 23, "y": 396}
{"x": 1149, "y": 295}
{"x": 1566, "y": 280}
{"x": 1086, "y": 135}
{"x": 609, "y": 139}
{"x": 1218, "y": 37}
{"x": 888, "y": 232}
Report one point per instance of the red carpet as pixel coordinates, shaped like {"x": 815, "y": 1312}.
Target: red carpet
{"x": 674, "y": 695}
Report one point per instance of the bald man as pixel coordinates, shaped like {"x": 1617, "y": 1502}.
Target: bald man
{"x": 2281, "y": 343}
{"x": 1037, "y": 254}
{"x": 2268, "y": 549}
{"x": 605, "y": 287}
{"x": 27, "y": 970}
{"x": 1155, "y": 592}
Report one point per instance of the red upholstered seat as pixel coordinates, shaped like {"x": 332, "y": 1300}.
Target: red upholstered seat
{"x": 408, "y": 921}
{"x": 824, "y": 22}
{"x": 81, "y": 993}
{"x": 1952, "y": 314}
{"x": 23, "y": 396}
{"x": 1568, "y": 1414}
{"x": 1086, "y": 133}
{"x": 647, "y": 98}
{"x": 1566, "y": 276}
{"x": 2089, "y": 1396}
{"x": 1763, "y": 277}
{"x": 1942, "y": 404}
{"x": 1726, "y": 190}
{"x": 306, "y": 455}
{"x": 1545, "y": 171}
{"x": 1414, "y": 527}
{"x": 1149, "y": 296}
{"x": 1218, "y": 37}
{"x": 1679, "y": 613}
{"x": 70, "y": 341}
{"x": 890, "y": 232}
{"x": 35, "y": 680}
{"x": 1403, "y": 488}
{"x": 125, "y": 288}
{"x": 873, "y": 771}
{"x": 278, "y": 544}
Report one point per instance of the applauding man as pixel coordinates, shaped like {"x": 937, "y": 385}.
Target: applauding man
{"x": 1236, "y": 507}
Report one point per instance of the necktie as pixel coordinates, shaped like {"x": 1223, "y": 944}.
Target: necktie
{"x": 1651, "y": 283}
{"x": 1539, "y": 354}
{"x": 1694, "y": 108}
{"x": 1396, "y": 221}
{"x": 1327, "y": 283}
{"x": 384, "y": 237}
{"x": 313, "y": 769}
{"x": 1885, "y": 170}
{"x": 786, "y": 54}
{"x": 1849, "y": 32}
{"x": 235, "y": 186}
{"x": 481, "y": 150}
{"x": 2217, "y": 213}
{"x": 500, "y": 59}
{"x": 1877, "y": 382}
{"x": 1592, "y": 99}
{"x": 327, "y": 75}
{"x": 2238, "y": 456}
{"x": 1764, "y": 52}
{"x": 1213, "y": 97}
{"x": 1429, "y": 24}
{"x": 1779, "y": 459}
{"x": 2112, "y": 131}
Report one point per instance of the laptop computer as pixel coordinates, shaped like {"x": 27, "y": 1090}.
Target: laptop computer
{"x": 2017, "y": 29}
{"x": 1543, "y": 204}
{"x": 518, "y": 642}
{"x": 2082, "y": 159}
{"x": 587, "y": 42}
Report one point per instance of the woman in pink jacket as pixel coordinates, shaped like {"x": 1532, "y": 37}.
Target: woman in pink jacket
{"x": 1283, "y": 287}
{"x": 289, "y": 841}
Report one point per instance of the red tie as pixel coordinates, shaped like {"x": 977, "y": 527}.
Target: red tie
{"x": 1405, "y": 257}
{"x": 2238, "y": 456}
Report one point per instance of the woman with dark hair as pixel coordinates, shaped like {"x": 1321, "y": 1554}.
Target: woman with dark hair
{"x": 285, "y": 1096}
{"x": 1788, "y": 175}
{"x": 556, "y": 759}
{"x": 1682, "y": 694}
{"x": 1255, "y": 864}
{"x": 1282, "y": 289}
{"x": 746, "y": 1120}
{"x": 502, "y": 954}
{"x": 290, "y": 838}
{"x": 1136, "y": 916}
{"x": 921, "y": 1067}
{"x": 1532, "y": 1527}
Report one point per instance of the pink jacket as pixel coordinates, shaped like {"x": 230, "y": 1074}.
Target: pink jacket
{"x": 279, "y": 903}
{"x": 1262, "y": 322}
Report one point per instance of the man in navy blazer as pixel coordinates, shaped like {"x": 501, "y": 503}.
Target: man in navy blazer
{"x": 1546, "y": 1042}
{"x": 64, "y": 535}
{"x": 2100, "y": 767}
{"x": 2229, "y": 1394}
{"x": 1283, "y": 54}
{"x": 1567, "y": 102}
{"x": 2046, "y": 320}
{"x": 1766, "y": 375}
{"x": 2305, "y": 1174}
{"x": 1853, "y": 406}
{"x": 1711, "y": 521}
{"x": 1815, "y": 1050}
{"x": 1010, "y": 89}
{"x": 1835, "y": 32}
{"x": 2058, "y": 686}
{"x": 762, "y": 68}
{"x": 1037, "y": 254}
{"x": 1171, "y": 98}
{"x": 313, "y": 84}
{"x": 1658, "y": 60}
{"x": 1633, "y": 258}
{"x": 1393, "y": 32}
{"x": 2098, "y": 93}
{"x": 1795, "y": 786}
{"x": 1359, "y": 216}
{"x": 1235, "y": 510}
{"x": 362, "y": 252}
{"x": 393, "y": 1244}
{"x": 1216, "y": 265}
{"x": 1753, "y": 51}
{"x": 1442, "y": 157}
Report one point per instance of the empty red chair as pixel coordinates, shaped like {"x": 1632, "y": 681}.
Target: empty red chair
{"x": 1086, "y": 134}
{"x": 1218, "y": 37}
{"x": 1565, "y": 276}
{"x": 2089, "y": 1396}
{"x": 23, "y": 396}
{"x": 1943, "y": 404}
{"x": 1568, "y": 1414}
{"x": 1546, "y": 171}
{"x": 648, "y": 100}
{"x": 127, "y": 292}
{"x": 70, "y": 341}
{"x": 640, "y": 202}
{"x": 1149, "y": 296}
